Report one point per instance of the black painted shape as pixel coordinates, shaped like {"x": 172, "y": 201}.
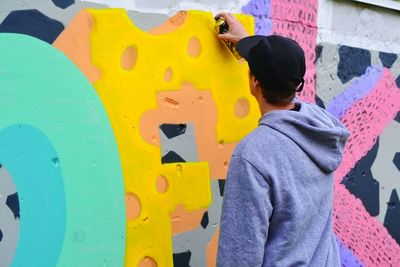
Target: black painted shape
{"x": 173, "y": 130}
{"x": 182, "y": 259}
{"x": 171, "y": 157}
{"x": 397, "y": 118}
{"x": 63, "y": 3}
{"x": 361, "y": 183}
{"x": 33, "y": 23}
{"x": 319, "y": 102}
{"x": 396, "y": 160}
{"x": 387, "y": 59}
{"x": 204, "y": 220}
{"x": 221, "y": 184}
{"x": 13, "y": 203}
{"x": 353, "y": 62}
{"x": 318, "y": 52}
{"x": 398, "y": 81}
{"x": 1, "y": 235}
{"x": 392, "y": 216}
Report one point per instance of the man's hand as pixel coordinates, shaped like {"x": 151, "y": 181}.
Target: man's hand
{"x": 236, "y": 30}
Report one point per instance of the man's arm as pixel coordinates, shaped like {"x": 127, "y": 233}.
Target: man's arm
{"x": 245, "y": 216}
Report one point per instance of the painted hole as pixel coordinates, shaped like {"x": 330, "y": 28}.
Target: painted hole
{"x": 179, "y": 169}
{"x": 129, "y": 57}
{"x": 147, "y": 262}
{"x": 162, "y": 184}
{"x": 194, "y": 47}
{"x": 242, "y": 108}
{"x": 133, "y": 206}
{"x": 168, "y": 74}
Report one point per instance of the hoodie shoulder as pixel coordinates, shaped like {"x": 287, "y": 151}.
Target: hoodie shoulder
{"x": 312, "y": 130}
{"x": 257, "y": 142}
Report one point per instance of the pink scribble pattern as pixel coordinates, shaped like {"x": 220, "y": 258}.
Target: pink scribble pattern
{"x": 366, "y": 119}
{"x": 301, "y": 11}
{"x": 362, "y": 234}
{"x": 298, "y": 20}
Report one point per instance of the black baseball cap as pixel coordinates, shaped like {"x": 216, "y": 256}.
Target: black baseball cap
{"x": 274, "y": 60}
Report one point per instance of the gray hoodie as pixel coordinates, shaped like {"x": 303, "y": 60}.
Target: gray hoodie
{"x": 277, "y": 208}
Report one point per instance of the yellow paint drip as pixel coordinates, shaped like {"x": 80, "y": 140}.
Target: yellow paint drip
{"x": 193, "y": 54}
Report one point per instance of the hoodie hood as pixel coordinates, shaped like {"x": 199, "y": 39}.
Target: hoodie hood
{"x": 320, "y": 135}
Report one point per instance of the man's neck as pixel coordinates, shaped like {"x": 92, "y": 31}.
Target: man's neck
{"x": 266, "y": 107}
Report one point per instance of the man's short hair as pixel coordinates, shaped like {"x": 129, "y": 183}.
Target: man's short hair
{"x": 281, "y": 97}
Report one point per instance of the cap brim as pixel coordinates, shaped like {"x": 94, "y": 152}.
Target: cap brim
{"x": 246, "y": 44}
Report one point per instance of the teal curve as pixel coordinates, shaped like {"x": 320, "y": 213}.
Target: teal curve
{"x": 41, "y": 88}
{"x": 32, "y": 161}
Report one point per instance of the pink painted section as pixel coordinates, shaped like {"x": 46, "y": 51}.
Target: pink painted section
{"x": 366, "y": 119}
{"x": 301, "y": 11}
{"x": 365, "y": 236}
{"x": 298, "y": 20}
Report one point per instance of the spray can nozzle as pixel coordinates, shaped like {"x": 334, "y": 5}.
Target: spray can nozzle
{"x": 222, "y": 27}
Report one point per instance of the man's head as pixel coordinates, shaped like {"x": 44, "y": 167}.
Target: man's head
{"x": 277, "y": 67}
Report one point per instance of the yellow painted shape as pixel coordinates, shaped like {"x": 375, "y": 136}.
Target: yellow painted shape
{"x": 128, "y": 92}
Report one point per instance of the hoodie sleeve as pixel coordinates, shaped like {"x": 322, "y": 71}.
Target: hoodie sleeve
{"x": 245, "y": 216}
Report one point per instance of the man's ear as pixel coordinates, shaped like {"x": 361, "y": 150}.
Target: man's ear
{"x": 255, "y": 85}
{"x": 253, "y": 79}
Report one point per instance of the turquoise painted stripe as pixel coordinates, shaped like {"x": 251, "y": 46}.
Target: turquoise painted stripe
{"x": 41, "y": 87}
{"x": 33, "y": 163}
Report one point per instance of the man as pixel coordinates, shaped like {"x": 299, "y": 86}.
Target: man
{"x": 277, "y": 208}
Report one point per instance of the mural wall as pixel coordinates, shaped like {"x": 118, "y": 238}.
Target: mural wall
{"x": 117, "y": 127}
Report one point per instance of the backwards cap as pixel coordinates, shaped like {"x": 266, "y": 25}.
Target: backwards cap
{"x": 274, "y": 60}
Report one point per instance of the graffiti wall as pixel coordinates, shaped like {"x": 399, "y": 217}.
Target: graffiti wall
{"x": 118, "y": 119}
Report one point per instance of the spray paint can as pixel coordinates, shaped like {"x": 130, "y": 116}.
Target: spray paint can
{"x": 222, "y": 27}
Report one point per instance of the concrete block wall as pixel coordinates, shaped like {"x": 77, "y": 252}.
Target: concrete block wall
{"x": 117, "y": 126}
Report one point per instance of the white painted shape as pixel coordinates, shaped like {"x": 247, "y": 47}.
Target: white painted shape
{"x": 127, "y": 4}
{"x": 170, "y": 7}
{"x": 383, "y": 168}
{"x": 324, "y": 17}
{"x": 395, "y": 69}
{"x": 8, "y": 224}
{"x": 375, "y": 60}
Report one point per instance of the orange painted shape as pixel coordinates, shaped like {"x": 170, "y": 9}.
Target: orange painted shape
{"x": 74, "y": 42}
{"x": 242, "y": 108}
{"x": 194, "y": 47}
{"x": 147, "y": 262}
{"x": 162, "y": 184}
{"x": 192, "y": 106}
{"x": 212, "y": 249}
{"x": 183, "y": 220}
{"x": 171, "y": 25}
{"x": 133, "y": 206}
{"x": 128, "y": 58}
{"x": 168, "y": 74}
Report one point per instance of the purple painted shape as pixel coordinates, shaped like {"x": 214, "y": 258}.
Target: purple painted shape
{"x": 347, "y": 259}
{"x": 355, "y": 91}
{"x": 258, "y": 8}
{"x": 263, "y": 26}
{"x": 261, "y": 10}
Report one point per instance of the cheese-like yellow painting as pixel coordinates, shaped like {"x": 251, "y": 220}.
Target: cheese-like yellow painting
{"x": 133, "y": 68}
